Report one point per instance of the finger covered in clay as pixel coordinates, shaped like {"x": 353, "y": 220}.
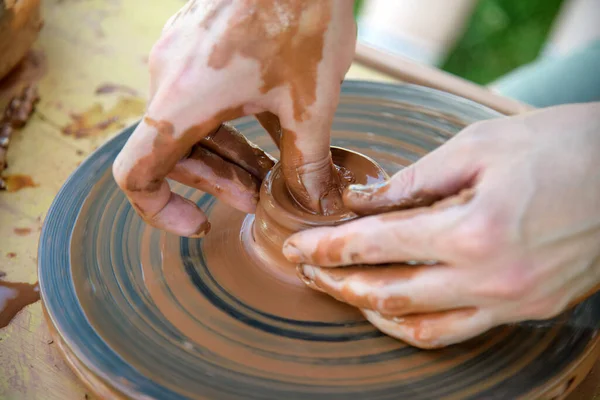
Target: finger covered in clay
{"x": 232, "y": 146}
{"x": 208, "y": 172}
{"x": 140, "y": 170}
{"x": 391, "y": 290}
{"x": 433, "y": 330}
{"x": 399, "y": 236}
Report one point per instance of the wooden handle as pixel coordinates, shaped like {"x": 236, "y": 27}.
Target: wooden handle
{"x": 411, "y": 72}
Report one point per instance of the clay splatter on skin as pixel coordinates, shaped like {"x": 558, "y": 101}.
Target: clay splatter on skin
{"x": 96, "y": 120}
{"x": 14, "y": 296}
{"x": 329, "y": 250}
{"x": 279, "y": 41}
{"x": 336, "y": 283}
{"x": 148, "y": 173}
{"x": 371, "y": 200}
{"x": 460, "y": 199}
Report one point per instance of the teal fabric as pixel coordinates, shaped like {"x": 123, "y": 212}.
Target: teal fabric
{"x": 549, "y": 81}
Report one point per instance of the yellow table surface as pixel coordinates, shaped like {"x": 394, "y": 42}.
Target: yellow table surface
{"x": 87, "y": 44}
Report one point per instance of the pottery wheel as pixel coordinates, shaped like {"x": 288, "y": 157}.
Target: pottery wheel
{"x": 145, "y": 314}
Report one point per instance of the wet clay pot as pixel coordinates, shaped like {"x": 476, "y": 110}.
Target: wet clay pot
{"x": 278, "y": 215}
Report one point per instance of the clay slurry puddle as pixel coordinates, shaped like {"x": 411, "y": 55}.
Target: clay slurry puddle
{"x": 14, "y": 296}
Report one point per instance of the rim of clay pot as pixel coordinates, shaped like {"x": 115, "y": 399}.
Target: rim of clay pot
{"x": 296, "y": 216}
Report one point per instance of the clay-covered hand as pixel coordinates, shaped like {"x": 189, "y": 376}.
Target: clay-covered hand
{"x": 513, "y": 233}
{"x": 218, "y": 60}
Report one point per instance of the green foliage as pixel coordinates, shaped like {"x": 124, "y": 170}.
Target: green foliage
{"x": 357, "y": 7}
{"x": 501, "y": 35}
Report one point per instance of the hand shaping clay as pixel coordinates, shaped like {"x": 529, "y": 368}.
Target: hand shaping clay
{"x": 244, "y": 252}
{"x": 278, "y": 215}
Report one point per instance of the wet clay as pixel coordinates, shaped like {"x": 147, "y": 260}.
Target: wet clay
{"x": 14, "y": 296}
{"x": 279, "y": 215}
{"x": 337, "y": 283}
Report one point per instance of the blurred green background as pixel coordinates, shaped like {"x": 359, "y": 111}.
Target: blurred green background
{"x": 500, "y": 36}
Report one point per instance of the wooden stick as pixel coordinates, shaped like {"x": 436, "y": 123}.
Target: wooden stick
{"x": 411, "y": 72}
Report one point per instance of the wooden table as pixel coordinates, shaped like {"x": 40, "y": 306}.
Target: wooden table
{"x": 87, "y": 45}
